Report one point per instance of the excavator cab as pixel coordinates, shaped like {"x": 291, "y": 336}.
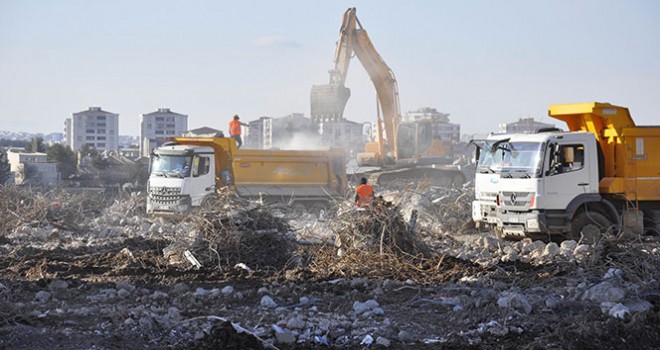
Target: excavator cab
{"x": 415, "y": 143}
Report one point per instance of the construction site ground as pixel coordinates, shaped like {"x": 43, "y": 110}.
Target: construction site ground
{"x": 86, "y": 272}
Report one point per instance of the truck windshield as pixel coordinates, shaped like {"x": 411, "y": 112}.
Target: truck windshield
{"x": 171, "y": 166}
{"x": 490, "y": 160}
{"x": 522, "y": 159}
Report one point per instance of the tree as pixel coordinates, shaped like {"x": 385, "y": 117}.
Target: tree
{"x": 5, "y": 170}
{"x": 64, "y": 157}
{"x": 97, "y": 158}
{"x": 36, "y": 145}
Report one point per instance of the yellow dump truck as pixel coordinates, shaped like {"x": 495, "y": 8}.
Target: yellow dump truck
{"x": 187, "y": 172}
{"x": 604, "y": 171}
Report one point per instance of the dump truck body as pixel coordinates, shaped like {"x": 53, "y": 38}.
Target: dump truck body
{"x": 309, "y": 178}
{"x": 605, "y": 171}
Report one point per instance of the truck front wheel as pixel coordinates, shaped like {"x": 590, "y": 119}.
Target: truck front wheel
{"x": 588, "y": 227}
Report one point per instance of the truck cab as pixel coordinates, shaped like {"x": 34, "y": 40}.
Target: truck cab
{"x": 542, "y": 179}
{"x": 489, "y": 155}
{"x": 181, "y": 176}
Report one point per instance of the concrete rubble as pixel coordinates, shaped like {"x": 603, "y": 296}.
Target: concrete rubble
{"x": 266, "y": 279}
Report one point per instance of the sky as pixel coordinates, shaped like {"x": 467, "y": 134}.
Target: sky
{"x": 484, "y": 62}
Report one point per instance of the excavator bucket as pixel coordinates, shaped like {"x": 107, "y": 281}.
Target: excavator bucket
{"x": 328, "y": 102}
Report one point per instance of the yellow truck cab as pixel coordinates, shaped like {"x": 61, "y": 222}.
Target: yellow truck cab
{"x": 604, "y": 171}
{"x": 187, "y": 172}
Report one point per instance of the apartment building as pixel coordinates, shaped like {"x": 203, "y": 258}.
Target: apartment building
{"x": 94, "y": 127}
{"x": 33, "y": 168}
{"x": 442, "y": 128}
{"x": 156, "y": 127}
{"x": 524, "y": 125}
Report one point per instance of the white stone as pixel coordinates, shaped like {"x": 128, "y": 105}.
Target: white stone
{"x": 295, "y": 323}
{"x": 268, "y": 302}
{"x": 227, "y": 290}
{"x": 582, "y": 249}
{"x": 603, "y": 292}
{"x": 551, "y": 250}
{"x": 514, "y": 301}
{"x": 42, "y": 296}
{"x": 383, "y": 342}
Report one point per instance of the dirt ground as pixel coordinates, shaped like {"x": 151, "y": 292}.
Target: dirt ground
{"x": 106, "y": 279}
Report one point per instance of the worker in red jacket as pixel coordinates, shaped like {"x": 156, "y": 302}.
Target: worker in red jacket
{"x": 364, "y": 194}
{"x": 235, "y": 130}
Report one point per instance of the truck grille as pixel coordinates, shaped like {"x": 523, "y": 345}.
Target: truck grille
{"x": 516, "y": 200}
{"x": 165, "y": 195}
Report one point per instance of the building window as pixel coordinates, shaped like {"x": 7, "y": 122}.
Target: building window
{"x": 149, "y": 126}
{"x": 160, "y": 132}
{"x": 101, "y": 138}
{"x": 160, "y": 119}
{"x": 170, "y": 119}
{"x": 169, "y": 125}
{"x": 90, "y": 138}
{"x": 89, "y": 131}
{"x": 100, "y": 131}
{"x": 169, "y": 132}
{"x": 100, "y": 125}
{"x": 100, "y": 117}
{"x": 100, "y": 145}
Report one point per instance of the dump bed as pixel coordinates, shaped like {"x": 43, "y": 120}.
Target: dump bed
{"x": 277, "y": 172}
{"x": 254, "y": 173}
{"x": 630, "y": 153}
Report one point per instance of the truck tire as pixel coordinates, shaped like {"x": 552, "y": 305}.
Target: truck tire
{"x": 588, "y": 227}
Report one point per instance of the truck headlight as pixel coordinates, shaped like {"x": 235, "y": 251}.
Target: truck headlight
{"x": 533, "y": 224}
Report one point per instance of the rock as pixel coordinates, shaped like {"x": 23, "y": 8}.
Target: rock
{"x": 42, "y": 296}
{"x": 383, "y": 342}
{"x": 405, "y": 336}
{"x": 361, "y": 308}
{"x": 123, "y": 293}
{"x": 531, "y": 246}
{"x": 514, "y": 301}
{"x": 553, "y": 301}
{"x": 303, "y": 301}
{"x": 612, "y": 273}
{"x": 551, "y": 250}
{"x": 638, "y": 306}
{"x": 285, "y": 338}
{"x": 201, "y": 292}
{"x": 123, "y": 285}
{"x": 510, "y": 254}
{"x": 581, "y": 249}
{"x": 174, "y": 313}
{"x": 618, "y": 310}
{"x": 378, "y": 311}
{"x": 367, "y": 340}
{"x": 568, "y": 245}
{"x": 58, "y": 285}
{"x": 146, "y": 323}
{"x": 489, "y": 243}
{"x": 295, "y": 323}
{"x": 262, "y": 290}
{"x": 268, "y": 302}
{"x": 180, "y": 288}
{"x": 227, "y": 290}
{"x": 604, "y": 292}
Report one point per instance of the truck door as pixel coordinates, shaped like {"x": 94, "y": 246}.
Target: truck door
{"x": 203, "y": 181}
{"x": 567, "y": 174}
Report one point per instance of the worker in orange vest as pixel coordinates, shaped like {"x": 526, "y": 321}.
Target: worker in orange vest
{"x": 364, "y": 194}
{"x": 235, "y": 130}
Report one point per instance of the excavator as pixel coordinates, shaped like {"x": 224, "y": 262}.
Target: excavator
{"x": 403, "y": 150}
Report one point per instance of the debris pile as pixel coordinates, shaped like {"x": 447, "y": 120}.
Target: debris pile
{"x": 93, "y": 273}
